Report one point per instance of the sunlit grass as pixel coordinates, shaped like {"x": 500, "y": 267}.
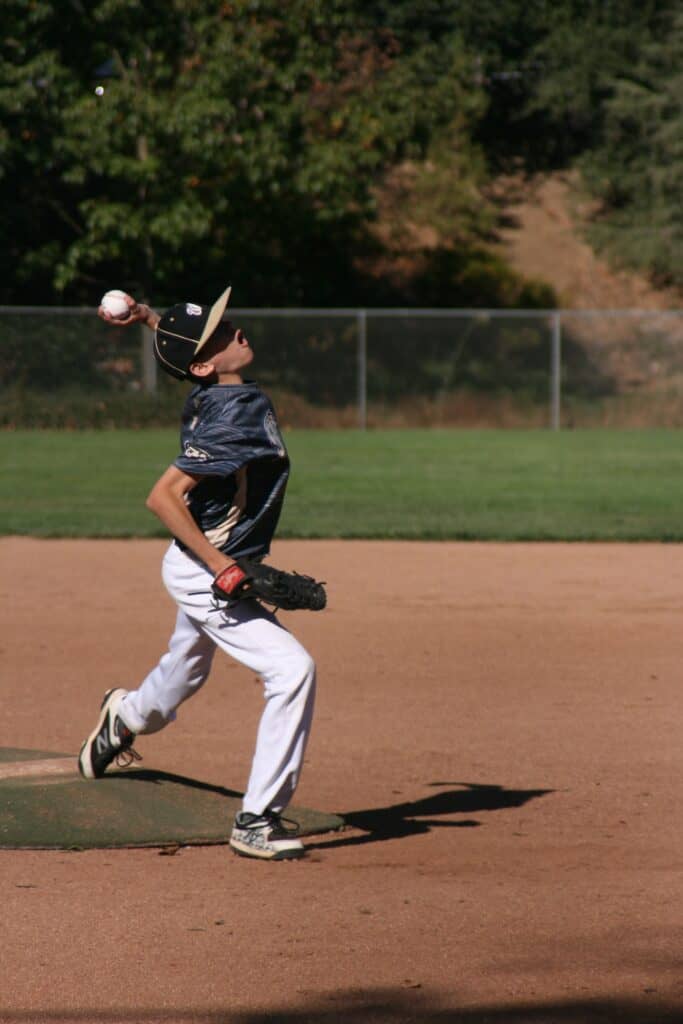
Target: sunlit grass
{"x": 432, "y": 484}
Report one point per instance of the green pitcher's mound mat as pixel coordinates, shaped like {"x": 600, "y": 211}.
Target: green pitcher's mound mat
{"x": 45, "y": 804}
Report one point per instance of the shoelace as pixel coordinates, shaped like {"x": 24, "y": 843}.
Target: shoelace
{"x": 275, "y": 821}
{"x": 125, "y": 758}
{"x": 284, "y": 824}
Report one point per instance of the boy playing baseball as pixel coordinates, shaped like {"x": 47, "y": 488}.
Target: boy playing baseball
{"x": 220, "y": 500}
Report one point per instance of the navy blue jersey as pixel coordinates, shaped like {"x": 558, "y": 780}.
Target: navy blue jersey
{"x": 230, "y": 437}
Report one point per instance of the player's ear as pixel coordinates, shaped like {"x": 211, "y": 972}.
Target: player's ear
{"x": 202, "y": 369}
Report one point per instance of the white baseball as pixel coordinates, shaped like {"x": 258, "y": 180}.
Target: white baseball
{"x": 114, "y": 302}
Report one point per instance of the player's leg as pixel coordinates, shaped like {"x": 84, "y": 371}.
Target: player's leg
{"x": 254, "y": 637}
{"x": 185, "y": 667}
{"x": 180, "y": 673}
{"x": 124, "y": 714}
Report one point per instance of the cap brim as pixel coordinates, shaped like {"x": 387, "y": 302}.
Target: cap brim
{"x": 214, "y": 318}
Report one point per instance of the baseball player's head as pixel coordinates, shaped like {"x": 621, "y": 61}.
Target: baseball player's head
{"x": 199, "y": 342}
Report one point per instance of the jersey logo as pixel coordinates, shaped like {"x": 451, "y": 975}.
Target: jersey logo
{"x": 192, "y": 309}
{"x": 273, "y": 433}
{"x": 192, "y": 452}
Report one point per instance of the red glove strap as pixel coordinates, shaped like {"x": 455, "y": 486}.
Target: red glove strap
{"x": 230, "y": 578}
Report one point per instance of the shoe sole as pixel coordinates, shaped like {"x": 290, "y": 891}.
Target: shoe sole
{"x": 256, "y": 854}
{"x": 104, "y": 711}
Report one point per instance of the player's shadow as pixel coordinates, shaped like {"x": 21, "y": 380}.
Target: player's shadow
{"x": 377, "y": 824}
{"x": 156, "y": 777}
{"x": 420, "y": 816}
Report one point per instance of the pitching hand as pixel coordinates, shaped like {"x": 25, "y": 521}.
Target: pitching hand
{"x": 138, "y": 313}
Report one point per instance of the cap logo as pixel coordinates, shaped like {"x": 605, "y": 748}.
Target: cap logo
{"x": 193, "y": 310}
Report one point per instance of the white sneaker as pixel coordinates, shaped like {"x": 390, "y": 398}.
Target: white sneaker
{"x": 267, "y": 836}
{"x": 109, "y": 741}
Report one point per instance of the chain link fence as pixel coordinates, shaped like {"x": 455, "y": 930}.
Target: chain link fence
{"x": 63, "y": 367}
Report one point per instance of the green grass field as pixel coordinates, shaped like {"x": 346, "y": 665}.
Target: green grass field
{"x": 417, "y": 484}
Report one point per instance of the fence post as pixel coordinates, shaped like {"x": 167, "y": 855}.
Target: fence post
{"x": 149, "y": 363}
{"x": 555, "y": 370}
{"x": 362, "y": 369}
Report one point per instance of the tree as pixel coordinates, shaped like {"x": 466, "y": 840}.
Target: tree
{"x": 188, "y": 143}
{"x": 548, "y": 67}
{"x": 637, "y": 172}
{"x": 35, "y": 88}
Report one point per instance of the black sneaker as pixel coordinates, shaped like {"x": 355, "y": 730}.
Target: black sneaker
{"x": 109, "y": 739}
{"x": 266, "y": 836}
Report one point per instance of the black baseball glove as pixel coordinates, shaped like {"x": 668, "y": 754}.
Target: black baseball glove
{"x": 247, "y": 579}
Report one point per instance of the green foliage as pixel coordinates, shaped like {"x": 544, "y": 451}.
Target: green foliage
{"x": 169, "y": 148}
{"x": 193, "y": 143}
{"x": 35, "y": 88}
{"x": 547, "y": 69}
{"x": 95, "y": 409}
{"x": 587, "y": 45}
{"x": 637, "y": 171}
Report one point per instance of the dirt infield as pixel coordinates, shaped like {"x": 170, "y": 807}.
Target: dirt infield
{"x": 500, "y": 725}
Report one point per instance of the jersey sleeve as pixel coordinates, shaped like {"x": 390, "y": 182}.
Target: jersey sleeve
{"x": 215, "y": 450}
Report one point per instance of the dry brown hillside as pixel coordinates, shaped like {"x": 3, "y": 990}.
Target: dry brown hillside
{"x": 544, "y": 239}
{"x": 618, "y": 370}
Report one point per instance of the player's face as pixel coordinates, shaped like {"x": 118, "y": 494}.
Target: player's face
{"x": 229, "y": 349}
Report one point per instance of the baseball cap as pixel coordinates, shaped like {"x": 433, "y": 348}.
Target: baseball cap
{"x": 182, "y": 332}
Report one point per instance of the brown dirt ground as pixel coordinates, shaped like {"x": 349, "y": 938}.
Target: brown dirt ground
{"x": 506, "y": 717}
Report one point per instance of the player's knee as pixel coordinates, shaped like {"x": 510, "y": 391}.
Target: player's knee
{"x": 308, "y": 669}
{"x": 295, "y": 674}
{"x": 302, "y": 669}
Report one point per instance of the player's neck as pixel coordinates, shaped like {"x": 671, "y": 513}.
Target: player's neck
{"x": 230, "y": 378}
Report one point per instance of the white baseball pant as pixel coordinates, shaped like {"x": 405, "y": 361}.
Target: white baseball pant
{"x": 254, "y": 637}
